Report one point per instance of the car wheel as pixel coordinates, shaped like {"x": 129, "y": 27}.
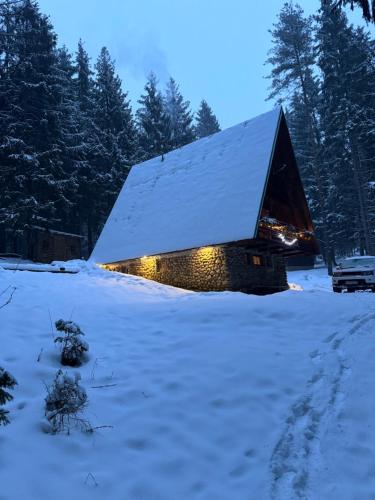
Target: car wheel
{"x": 350, "y": 290}
{"x": 338, "y": 290}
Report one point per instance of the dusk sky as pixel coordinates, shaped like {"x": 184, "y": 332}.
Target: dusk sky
{"x": 215, "y": 49}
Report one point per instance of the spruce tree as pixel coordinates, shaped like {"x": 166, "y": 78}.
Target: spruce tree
{"x": 180, "y": 116}
{"x": 113, "y": 114}
{"x": 30, "y": 123}
{"x": 70, "y": 141}
{"x": 88, "y": 187}
{"x": 292, "y": 58}
{"x": 153, "y": 122}
{"x": 115, "y": 139}
{"x": 206, "y": 121}
{"x": 347, "y": 114}
{"x": 84, "y": 82}
{"x": 7, "y": 382}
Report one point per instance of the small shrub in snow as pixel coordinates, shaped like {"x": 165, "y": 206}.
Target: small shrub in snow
{"x": 6, "y": 382}
{"x": 65, "y": 402}
{"x": 73, "y": 347}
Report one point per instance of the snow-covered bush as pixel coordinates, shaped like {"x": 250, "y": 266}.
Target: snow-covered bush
{"x": 6, "y": 382}
{"x": 65, "y": 402}
{"x": 73, "y": 347}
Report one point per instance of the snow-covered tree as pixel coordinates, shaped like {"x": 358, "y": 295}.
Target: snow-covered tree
{"x": 84, "y": 82}
{"x": 154, "y": 125}
{"x": 29, "y": 119}
{"x": 66, "y": 399}
{"x": 206, "y": 121}
{"x": 347, "y": 65}
{"x": 180, "y": 116}
{"x": 113, "y": 114}
{"x": 37, "y": 126}
{"x": 110, "y": 138}
{"x": 7, "y": 382}
{"x": 323, "y": 69}
{"x": 73, "y": 347}
{"x": 293, "y": 81}
{"x": 88, "y": 185}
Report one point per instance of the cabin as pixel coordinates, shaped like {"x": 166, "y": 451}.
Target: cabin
{"x": 222, "y": 213}
{"x": 43, "y": 245}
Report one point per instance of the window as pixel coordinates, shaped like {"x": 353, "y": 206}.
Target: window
{"x": 257, "y": 260}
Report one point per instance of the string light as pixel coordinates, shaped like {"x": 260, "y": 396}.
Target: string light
{"x": 286, "y": 241}
{"x": 288, "y": 234}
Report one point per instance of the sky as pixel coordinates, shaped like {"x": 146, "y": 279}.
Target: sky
{"x": 214, "y": 49}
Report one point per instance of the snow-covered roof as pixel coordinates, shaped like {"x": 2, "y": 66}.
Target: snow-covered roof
{"x": 208, "y": 192}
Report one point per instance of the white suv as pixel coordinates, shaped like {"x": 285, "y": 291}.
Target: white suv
{"x": 356, "y": 273}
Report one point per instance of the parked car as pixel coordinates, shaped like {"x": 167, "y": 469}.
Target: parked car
{"x": 356, "y": 273}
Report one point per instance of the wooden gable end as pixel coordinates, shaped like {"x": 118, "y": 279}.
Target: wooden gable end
{"x": 284, "y": 218}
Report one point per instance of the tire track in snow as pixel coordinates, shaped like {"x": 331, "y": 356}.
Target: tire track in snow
{"x": 298, "y": 447}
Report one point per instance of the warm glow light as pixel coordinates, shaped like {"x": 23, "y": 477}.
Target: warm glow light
{"x": 286, "y": 241}
{"x": 206, "y": 251}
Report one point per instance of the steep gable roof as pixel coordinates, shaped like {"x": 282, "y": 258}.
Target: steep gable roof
{"x": 208, "y": 192}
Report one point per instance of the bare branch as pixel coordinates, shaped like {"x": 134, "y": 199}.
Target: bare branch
{"x": 102, "y": 386}
{"x": 92, "y": 429}
{"x": 9, "y": 300}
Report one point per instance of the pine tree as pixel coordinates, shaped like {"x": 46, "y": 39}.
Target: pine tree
{"x": 84, "y": 82}
{"x": 153, "y": 122}
{"x": 88, "y": 186}
{"x": 30, "y": 122}
{"x": 65, "y": 402}
{"x": 70, "y": 141}
{"x": 180, "y": 116}
{"x": 6, "y": 382}
{"x": 206, "y": 121}
{"x": 292, "y": 58}
{"x": 114, "y": 141}
{"x": 347, "y": 116}
{"x": 113, "y": 114}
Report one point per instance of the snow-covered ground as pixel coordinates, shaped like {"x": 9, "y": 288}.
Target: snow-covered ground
{"x": 215, "y": 396}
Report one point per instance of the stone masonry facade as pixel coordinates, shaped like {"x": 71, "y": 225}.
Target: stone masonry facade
{"x": 216, "y": 268}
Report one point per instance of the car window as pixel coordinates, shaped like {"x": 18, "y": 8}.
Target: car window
{"x": 370, "y": 262}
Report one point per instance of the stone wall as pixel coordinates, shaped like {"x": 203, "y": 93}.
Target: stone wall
{"x": 216, "y": 268}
